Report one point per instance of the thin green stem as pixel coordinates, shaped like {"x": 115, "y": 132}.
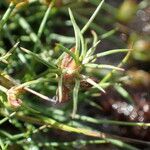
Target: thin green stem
{"x": 107, "y": 7}
{"x": 12, "y": 137}
{"x": 9, "y": 53}
{"x": 77, "y": 33}
{"x": 97, "y": 28}
{"x": 60, "y": 88}
{"x": 108, "y": 34}
{"x": 7, "y": 15}
{"x": 103, "y": 66}
{"x": 43, "y": 23}
{"x": 93, "y": 83}
{"x": 7, "y": 118}
{"x": 26, "y": 26}
{"x": 75, "y": 97}
{"x": 124, "y": 93}
{"x": 38, "y": 58}
{"x": 109, "y": 52}
{"x": 92, "y": 17}
{"x": 121, "y": 144}
{"x": 109, "y": 75}
{"x": 28, "y": 83}
{"x": 90, "y": 52}
{"x": 40, "y": 95}
{"x": 111, "y": 122}
{"x": 118, "y": 143}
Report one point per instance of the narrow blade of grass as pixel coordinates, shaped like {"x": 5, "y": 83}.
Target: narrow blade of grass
{"x": 124, "y": 93}
{"x": 39, "y": 95}
{"x": 9, "y": 53}
{"x": 43, "y": 23}
{"x": 75, "y": 97}
{"x": 28, "y": 29}
{"x": 110, "y": 122}
{"x": 107, "y": 7}
{"x": 95, "y": 37}
{"x": 92, "y": 17}
{"x": 28, "y": 83}
{"x": 108, "y": 34}
{"x": 115, "y": 142}
{"x": 103, "y": 66}
{"x": 121, "y": 144}
{"x": 60, "y": 91}
{"x": 62, "y": 38}
{"x": 90, "y": 81}
{"x": 109, "y": 75}
{"x": 77, "y": 33}
{"x": 109, "y": 52}
{"x": 38, "y": 58}
{"x": 98, "y": 29}
{"x": 7, "y": 118}
{"x": 95, "y": 43}
{"x": 26, "y": 26}
{"x": 89, "y": 52}
{"x": 7, "y": 15}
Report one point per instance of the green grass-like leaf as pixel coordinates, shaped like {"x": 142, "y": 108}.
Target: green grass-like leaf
{"x": 90, "y": 81}
{"x": 92, "y": 17}
{"x": 75, "y": 97}
{"x": 104, "y": 66}
{"x": 7, "y": 15}
{"x": 38, "y": 58}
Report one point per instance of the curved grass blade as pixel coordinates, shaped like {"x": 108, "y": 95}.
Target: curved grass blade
{"x": 89, "y": 52}
{"x": 121, "y": 144}
{"x": 9, "y": 53}
{"x": 78, "y": 36}
{"x": 90, "y": 81}
{"x": 38, "y": 58}
{"x": 109, "y": 75}
{"x": 115, "y": 142}
{"x": 42, "y": 25}
{"x": 7, "y": 15}
{"x": 7, "y": 118}
{"x": 108, "y": 34}
{"x": 76, "y": 31}
{"x": 75, "y": 97}
{"x": 109, "y": 52}
{"x": 60, "y": 88}
{"x": 124, "y": 93}
{"x": 95, "y": 43}
{"x": 110, "y": 122}
{"x": 92, "y": 17}
{"x": 103, "y": 66}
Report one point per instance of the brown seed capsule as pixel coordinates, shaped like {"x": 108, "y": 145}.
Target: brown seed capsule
{"x": 68, "y": 64}
{"x": 71, "y": 67}
{"x": 12, "y": 94}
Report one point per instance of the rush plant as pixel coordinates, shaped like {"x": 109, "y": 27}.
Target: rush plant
{"x": 70, "y": 68}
